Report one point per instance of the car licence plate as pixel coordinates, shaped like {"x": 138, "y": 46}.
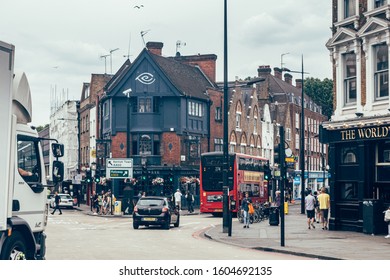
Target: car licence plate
{"x": 149, "y": 219}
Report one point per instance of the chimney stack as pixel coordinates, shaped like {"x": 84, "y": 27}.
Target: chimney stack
{"x": 288, "y": 78}
{"x": 155, "y": 47}
{"x": 263, "y": 70}
{"x": 298, "y": 83}
{"x": 278, "y": 73}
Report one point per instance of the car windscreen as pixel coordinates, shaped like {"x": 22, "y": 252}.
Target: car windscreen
{"x": 65, "y": 197}
{"x": 151, "y": 202}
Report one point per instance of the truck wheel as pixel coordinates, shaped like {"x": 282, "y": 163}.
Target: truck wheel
{"x": 14, "y": 248}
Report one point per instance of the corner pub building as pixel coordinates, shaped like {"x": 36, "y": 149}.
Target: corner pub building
{"x": 358, "y": 133}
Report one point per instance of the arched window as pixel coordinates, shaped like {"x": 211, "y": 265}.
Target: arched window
{"x": 232, "y": 142}
{"x": 243, "y": 144}
{"x": 238, "y": 115}
{"x": 145, "y": 145}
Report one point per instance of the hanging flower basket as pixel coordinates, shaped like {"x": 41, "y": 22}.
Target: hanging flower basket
{"x": 189, "y": 180}
{"x": 158, "y": 181}
{"x": 195, "y": 180}
{"x": 184, "y": 180}
{"x": 131, "y": 181}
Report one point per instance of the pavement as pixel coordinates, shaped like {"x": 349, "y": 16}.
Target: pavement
{"x": 298, "y": 239}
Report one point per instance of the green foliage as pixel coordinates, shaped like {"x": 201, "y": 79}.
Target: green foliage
{"x": 40, "y": 128}
{"x": 321, "y": 92}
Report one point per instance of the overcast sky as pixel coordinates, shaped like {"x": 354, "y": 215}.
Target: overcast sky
{"x": 59, "y": 43}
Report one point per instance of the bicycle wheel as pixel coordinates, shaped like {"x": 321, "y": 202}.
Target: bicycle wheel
{"x": 240, "y": 216}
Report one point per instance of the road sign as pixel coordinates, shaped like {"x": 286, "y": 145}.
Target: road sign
{"x": 116, "y": 173}
{"x": 119, "y": 162}
{"x": 119, "y": 168}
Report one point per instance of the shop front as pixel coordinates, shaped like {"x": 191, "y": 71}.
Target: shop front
{"x": 359, "y": 160}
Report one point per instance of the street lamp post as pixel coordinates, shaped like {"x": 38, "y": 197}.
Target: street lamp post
{"x": 227, "y": 215}
{"x": 302, "y": 138}
{"x": 226, "y": 219}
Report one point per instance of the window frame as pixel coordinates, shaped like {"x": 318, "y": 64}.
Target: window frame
{"x": 349, "y": 80}
{"x": 381, "y": 80}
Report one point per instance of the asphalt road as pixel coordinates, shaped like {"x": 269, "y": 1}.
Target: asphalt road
{"x": 77, "y": 236}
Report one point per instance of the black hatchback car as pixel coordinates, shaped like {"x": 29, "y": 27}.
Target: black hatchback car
{"x": 155, "y": 210}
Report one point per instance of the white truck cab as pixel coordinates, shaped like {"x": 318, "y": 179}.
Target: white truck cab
{"x": 23, "y": 204}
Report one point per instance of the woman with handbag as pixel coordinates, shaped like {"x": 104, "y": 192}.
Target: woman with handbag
{"x": 245, "y": 206}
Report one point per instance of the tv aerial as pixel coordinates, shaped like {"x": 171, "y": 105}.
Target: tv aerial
{"x": 143, "y": 33}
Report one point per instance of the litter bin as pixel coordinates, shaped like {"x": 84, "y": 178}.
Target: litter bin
{"x": 274, "y": 216}
{"x": 372, "y": 216}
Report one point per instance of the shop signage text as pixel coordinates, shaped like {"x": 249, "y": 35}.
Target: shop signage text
{"x": 365, "y": 133}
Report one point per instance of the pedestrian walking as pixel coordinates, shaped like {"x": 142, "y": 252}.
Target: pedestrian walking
{"x": 95, "y": 201}
{"x": 57, "y": 200}
{"x": 317, "y": 208}
{"x": 324, "y": 200}
{"x": 190, "y": 202}
{"x": 178, "y": 196}
{"x": 310, "y": 209}
{"x": 277, "y": 198}
{"x": 387, "y": 220}
{"x": 245, "y": 207}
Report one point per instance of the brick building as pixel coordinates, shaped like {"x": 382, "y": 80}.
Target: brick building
{"x": 161, "y": 112}
{"x": 88, "y": 126}
{"x": 284, "y": 101}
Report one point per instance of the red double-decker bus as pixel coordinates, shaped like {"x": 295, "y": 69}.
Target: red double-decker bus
{"x": 246, "y": 174}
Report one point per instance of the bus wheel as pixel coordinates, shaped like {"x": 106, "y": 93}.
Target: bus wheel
{"x": 14, "y": 248}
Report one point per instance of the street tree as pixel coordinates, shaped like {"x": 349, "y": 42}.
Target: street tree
{"x": 321, "y": 92}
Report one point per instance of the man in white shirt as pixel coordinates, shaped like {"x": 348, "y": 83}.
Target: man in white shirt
{"x": 310, "y": 209}
{"x": 178, "y": 198}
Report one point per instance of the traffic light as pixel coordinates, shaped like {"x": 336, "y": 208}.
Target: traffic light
{"x": 97, "y": 176}
{"x": 170, "y": 177}
{"x": 277, "y": 154}
{"x": 267, "y": 172}
{"x": 144, "y": 172}
{"x": 88, "y": 176}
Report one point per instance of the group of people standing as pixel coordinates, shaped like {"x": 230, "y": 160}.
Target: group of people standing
{"x": 189, "y": 199}
{"x": 317, "y": 208}
{"x": 102, "y": 203}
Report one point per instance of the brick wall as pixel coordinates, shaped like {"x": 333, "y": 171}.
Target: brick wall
{"x": 206, "y": 62}
{"x": 118, "y": 145}
{"x": 216, "y": 127}
{"x": 170, "y": 148}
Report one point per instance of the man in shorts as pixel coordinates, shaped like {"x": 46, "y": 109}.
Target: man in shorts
{"x": 310, "y": 209}
{"x": 324, "y": 200}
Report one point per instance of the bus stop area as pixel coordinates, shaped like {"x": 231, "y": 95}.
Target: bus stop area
{"x": 299, "y": 240}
